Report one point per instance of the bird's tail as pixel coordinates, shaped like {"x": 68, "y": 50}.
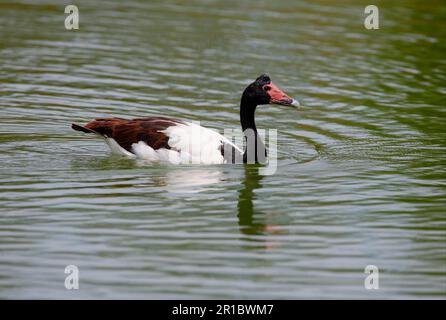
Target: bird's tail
{"x": 82, "y": 129}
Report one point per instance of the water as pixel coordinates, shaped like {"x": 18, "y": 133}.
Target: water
{"x": 361, "y": 174}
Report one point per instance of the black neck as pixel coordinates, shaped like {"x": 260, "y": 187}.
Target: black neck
{"x": 247, "y": 120}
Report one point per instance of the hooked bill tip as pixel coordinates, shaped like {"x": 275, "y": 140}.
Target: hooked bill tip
{"x": 295, "y": 103}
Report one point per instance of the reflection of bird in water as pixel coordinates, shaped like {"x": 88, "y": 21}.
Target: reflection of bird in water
{"x": 245, "y": 205}
{"x": 251, "y": 221}
{"x": 189, "y": 181}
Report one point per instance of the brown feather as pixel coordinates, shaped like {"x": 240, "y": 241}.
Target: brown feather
{"x": 127, "y": 132}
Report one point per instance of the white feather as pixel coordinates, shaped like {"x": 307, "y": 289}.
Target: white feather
{"x": 190, "y": 144}
{"x": 117, "y": 149}
{"x": 196, "y": 144}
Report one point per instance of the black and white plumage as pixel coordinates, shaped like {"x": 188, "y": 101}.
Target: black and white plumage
{"x": 176, "y": 141}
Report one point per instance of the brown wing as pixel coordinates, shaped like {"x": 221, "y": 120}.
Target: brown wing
{"x": 127, "y": 132}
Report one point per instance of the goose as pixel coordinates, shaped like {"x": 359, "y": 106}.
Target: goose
{"x": 177, "y": 141}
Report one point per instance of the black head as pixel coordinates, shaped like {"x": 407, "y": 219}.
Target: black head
{"x": 263, "y": 91}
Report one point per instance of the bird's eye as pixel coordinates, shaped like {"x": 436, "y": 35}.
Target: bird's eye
{"x": 266, "y": 88}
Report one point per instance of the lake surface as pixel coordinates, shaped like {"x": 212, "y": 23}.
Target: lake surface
{"x": 361, "y": 176}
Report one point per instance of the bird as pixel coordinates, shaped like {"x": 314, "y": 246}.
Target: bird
{"x": 164, "y": 139}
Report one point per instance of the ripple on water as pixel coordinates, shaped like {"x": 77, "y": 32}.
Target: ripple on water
{"x": 360, "y": 176}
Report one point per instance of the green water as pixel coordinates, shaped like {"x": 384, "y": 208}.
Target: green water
{"x": 361, "y": 176}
